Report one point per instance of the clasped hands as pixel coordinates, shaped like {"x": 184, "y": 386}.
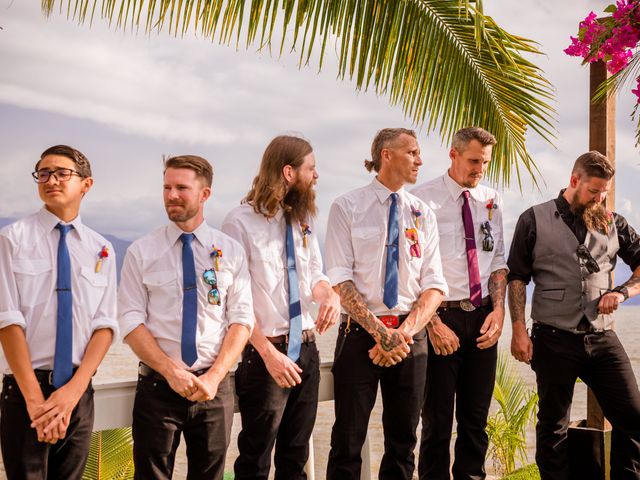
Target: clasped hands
{"x": 395, "y": 350}
{"x": 51, "y": 417}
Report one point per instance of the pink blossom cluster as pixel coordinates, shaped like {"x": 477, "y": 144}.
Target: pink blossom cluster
{"x": 611, "y": 39}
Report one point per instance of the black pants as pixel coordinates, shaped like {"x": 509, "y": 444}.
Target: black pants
{"x": 464, "y": 379}
{"x": 24, "y": 457}
{"x": 160, "y": 415}
{"x": 270, "y": 414}
{"x": 559, "y": 358}
{"x": 356, "y": 381}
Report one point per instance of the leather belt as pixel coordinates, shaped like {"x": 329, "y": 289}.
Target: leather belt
{"x": 308, "y": 336}
{"x": 464, "y": 304}
{"x": 44, "y": 376}
{"x": 390, "y": 321}
{"x": 550, "y": 328}
{"x": 146, "y": 371}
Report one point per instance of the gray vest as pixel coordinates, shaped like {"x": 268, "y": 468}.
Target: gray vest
{"x": 564, "y": 289}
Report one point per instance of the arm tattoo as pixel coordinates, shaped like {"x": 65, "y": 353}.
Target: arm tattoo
{"x": 354, "y": 305}
{"x": 498, "y": 287}
{"x": 634, "y": 282}
{"x": 517, "y": 300}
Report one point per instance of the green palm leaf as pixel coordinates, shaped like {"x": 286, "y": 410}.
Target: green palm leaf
{"x": 445, "y": 62}
{"x": 110, "y": 455}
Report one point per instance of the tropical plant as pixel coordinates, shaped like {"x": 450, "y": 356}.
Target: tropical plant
{"x": 614, "y": 40}
{"x": 110, "y": 455}
{"x": 446, "y": 63}
{"x": 530, "y": 472}
{"x": 507, "y": 428}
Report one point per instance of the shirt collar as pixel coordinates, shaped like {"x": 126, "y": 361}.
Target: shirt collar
{"x": 383, "y": 192}
{"x": 49, "y": 221}
{"x": 174, "y": 232}
{"x": 455, "y": 190}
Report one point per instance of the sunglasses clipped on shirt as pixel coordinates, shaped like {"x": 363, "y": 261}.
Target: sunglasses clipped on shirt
{"x": 210, "y": 278}
{"x": 60, "y": 174}
{"x": 584, "y": 254}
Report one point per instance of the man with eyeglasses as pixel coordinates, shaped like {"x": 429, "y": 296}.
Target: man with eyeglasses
{"x": 465, "y": 330}
{"x": 185, "y": 310}
{"x": 57, "y": 321}
{"x": 277, "y": 381}
{"x": 383, "y": 259}
{"x": 568, "y": 246}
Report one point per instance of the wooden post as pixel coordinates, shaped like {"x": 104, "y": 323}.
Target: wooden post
{"x": 589, "y": 440}
{"x": 602, "y": 137}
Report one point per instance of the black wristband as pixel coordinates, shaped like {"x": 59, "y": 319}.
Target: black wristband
{"x": 623, "y": 290}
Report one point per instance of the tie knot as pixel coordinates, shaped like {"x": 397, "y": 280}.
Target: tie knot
{"x": 465, "y": 194}
{"x": 394, "y": 196}
{"x": 64, "y": 229}
{"x": 187, "y": 238}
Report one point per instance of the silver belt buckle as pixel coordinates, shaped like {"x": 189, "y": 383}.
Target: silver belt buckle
{"x": 466, "y": 305}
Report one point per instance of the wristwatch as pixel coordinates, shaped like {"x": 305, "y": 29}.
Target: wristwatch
{"x": 623, "y": 290}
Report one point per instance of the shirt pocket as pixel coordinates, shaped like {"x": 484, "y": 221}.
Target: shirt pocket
{"x": 225, "y": 280}
{"x": 368, "y": 242}
{"x": 33, "y": 280}
{"x": 162, "y": 287}
{"x": 91, "y": 286}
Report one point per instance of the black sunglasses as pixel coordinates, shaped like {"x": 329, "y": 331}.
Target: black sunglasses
{"x": 584, "y": 254}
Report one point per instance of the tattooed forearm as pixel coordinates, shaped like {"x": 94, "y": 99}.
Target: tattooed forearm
{"x": 517, "y": 300}
{"x": 498, "y": 287}
{"x": 355, "y": 306}
{"x": 633, "y": 284}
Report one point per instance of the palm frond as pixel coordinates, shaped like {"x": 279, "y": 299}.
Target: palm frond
{"x": 445, "y": 62}
{"x": 110, "y": 455}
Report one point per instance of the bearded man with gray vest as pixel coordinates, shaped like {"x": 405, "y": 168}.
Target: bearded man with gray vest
{"x": 568, "y": 246}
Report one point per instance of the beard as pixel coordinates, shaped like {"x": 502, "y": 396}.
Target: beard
{"x": 181, "y": 215}
{"x": 300, "y": 202}
{"x": 594, "y": 215}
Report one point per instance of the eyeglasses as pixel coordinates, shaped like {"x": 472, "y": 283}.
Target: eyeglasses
{"x": 487, "y": 241}
{"x": 210, "y": 278}
{"x": 61, "y": 175}
{"x": 584, "y": 254}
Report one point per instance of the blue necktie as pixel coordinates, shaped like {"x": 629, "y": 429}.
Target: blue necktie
{"x": 189, "y": 302}
{"x": 62, "y": 359}
{"x": 295, "y": 312}
{"x": 390, "y": 297}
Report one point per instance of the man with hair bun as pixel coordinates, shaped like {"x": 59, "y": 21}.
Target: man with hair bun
{"x": 277, "y": 381}
{"x": 57, "y": 321}
{"x": 185, "y": 310}
{"x": 568, "y": 247}
{"x": 383, "y": 260}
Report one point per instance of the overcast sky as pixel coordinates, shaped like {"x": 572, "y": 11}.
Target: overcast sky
{"x": 126, "y": 99}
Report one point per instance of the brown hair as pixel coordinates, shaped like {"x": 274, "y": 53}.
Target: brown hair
{"x": 76, "y": 156}
{"x": 593, "y": 164}
{"x": 384, "y": 139}
{"x": 465, "y": 135}
{"x": 199, "y": 165}
{"x": 269, "y": 189}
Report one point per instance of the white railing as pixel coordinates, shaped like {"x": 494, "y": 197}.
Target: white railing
{"x": 114, "y": 406}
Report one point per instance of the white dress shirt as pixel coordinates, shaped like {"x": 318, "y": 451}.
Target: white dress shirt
{"x": 151, "y": 290}
{"x": 263, "y": 240}
{"x": 28, "y": 274}
{"x": 355, "y": 246}
{"x": 444, "y": 197}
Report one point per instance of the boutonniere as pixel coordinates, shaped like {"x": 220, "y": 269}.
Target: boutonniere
{"x": 609, "y": 218}
{"x": 216, "y": 254}
{"x": 491, "y": 206}
{"x": 416, "y": 216}
{"x": 306, "y": 231}
{"x": 102, "y": 254}
{"x": 412, "y": 237}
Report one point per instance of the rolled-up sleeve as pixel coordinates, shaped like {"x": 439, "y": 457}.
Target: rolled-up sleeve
{"x": 10, "y": 313}
{"x": 499, "y": 262}
{"x": 106, "y": 315}
{"x": 133, "y": 297}
{"x": 431, "y": 275}
{"x": 338, "y": 246}
{"x": 239, "y": 302}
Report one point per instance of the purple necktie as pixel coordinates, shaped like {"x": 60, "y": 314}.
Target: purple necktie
{"x": 475, "y": 289}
